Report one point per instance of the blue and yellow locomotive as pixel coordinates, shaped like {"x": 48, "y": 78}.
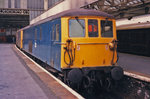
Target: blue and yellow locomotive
{"x": 79, "y": 43}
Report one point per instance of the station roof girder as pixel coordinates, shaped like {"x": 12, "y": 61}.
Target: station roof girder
{"x": 121, "y": 8}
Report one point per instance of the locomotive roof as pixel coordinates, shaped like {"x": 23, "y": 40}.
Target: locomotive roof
{"x": 74, "y": 12}
{"x": 83, "y": 12}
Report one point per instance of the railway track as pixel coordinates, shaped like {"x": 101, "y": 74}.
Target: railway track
{"x": 127, "y": 88}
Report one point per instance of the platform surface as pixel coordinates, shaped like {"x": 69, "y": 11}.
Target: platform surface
{"x": 135, "y": 63}
{"x": 17, "y": 81}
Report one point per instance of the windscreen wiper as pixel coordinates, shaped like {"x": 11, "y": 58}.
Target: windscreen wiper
{"x": 79, "y": 22}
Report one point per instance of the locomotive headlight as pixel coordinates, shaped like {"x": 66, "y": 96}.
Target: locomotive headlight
{"x": 111, "y": 46}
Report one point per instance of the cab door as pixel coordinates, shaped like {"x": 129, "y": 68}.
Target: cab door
{"x": 55, "y": 44}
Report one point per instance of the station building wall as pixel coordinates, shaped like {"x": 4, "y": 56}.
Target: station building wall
{"x": 62, "y": 6}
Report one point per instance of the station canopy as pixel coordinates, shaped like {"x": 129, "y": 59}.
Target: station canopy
{"x": 14, "y": 18}
{"x": 121, "y": 8}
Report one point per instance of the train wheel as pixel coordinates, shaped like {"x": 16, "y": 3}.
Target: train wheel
{"x": 88, "y": 85}
{"x": 108, "y": 86}
{"x": 86, "y": 82}
{"x": 90, "y": 90}
{"x": 75, "y": 86}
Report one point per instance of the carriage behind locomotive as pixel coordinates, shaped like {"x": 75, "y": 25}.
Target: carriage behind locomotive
{"x": 81, "y": 44}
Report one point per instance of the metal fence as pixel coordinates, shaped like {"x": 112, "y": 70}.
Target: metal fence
{"x": 5, "y": 11}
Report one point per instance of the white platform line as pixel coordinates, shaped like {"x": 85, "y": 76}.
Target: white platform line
{"x": 59, "y": 81}
{"x": 143, "y": 78}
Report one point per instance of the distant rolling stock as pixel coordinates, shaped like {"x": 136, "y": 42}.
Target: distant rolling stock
{"x": 134, "y": 38}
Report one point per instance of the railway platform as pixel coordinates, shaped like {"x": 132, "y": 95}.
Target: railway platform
{"x": 134, "y": 63}
{"x": 20, "y": 78}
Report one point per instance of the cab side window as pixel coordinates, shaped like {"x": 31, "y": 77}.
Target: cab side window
{"x": 106, "y": 28}
{"x": 92, "y": 28}
{"x": 55, "y": 32}
{"x": 40, "y": 32}
{"x": 35, "y": 35}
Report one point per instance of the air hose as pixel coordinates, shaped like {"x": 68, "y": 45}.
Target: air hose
{"x": 114, "y": 49}
{"x": 70, "y": 50}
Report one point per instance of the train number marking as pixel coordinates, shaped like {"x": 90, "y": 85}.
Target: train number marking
{"x": 78, "y": 47}
{"x": 106, "y": 47}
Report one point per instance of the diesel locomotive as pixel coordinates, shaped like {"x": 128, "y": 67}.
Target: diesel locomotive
{"x": 81, "y": 44}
